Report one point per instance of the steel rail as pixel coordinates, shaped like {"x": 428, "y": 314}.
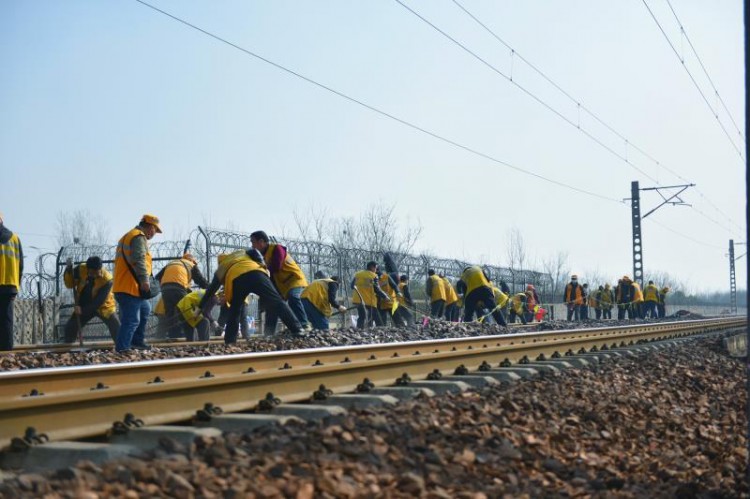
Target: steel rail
{"x": 78, "y": 402}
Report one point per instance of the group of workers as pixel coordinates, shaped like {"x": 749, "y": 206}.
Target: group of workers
{"x": 268, "y": 271}
{"x": 627, "y": 296}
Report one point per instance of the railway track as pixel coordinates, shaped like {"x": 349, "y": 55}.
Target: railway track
{"x": 80, "y": 402}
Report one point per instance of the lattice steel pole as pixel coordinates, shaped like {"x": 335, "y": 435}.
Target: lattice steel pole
{"x": 635, "y": 212}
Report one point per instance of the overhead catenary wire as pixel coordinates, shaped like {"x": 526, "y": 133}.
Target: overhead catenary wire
{"x": 692, "y": 78}
{"x": 569, "y": 121}
{"x": 581, "y": 107}
{"x": 379, "y": 111}
{"x": 705, "y": 71}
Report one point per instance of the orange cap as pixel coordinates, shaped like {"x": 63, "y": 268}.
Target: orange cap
{"x": 153, "y": 220}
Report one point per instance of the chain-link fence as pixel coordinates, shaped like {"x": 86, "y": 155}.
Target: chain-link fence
{"x": 45, "y": 305}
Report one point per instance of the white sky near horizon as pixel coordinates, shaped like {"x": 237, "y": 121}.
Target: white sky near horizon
{"x": 115, "y": 108}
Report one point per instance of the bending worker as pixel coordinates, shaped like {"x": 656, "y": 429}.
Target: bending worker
{"x": 319, "y": 300}
{"x": 478, "y": 295}
{"x": 176, "y": 278}
{"x": 93, "y": 287}
{"x": 451, "y": 300}
{"x": 286, "y": 275}
{"x": 366, "y": 294}
{"x": 241, "y": 273}
{"x": 194, "y": 318}
{"x": 404, "y": 301}
{"x": 385, "y": 307}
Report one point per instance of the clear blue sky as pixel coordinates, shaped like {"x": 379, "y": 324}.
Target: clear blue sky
{"x": 115, "y": 108}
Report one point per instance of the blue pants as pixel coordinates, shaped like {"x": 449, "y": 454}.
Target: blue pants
{"x": 317, "y": 319}
{"x": 294, "y": 301}
{"x": 134, "y": 312}
{"x": 649, "y": 309}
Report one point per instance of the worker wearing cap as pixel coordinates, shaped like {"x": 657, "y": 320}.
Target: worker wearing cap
{"x": 573, "y": 298}
{"x": 366, "y": 294}
{"x": 93, "y": 287}
{"x": 478, "y": 296}
{"x": 436, "y": 292}
{"x": 286, "y": 275}
{"x": 532, "y": 302}
{"x": 319, "y": 300}
{"x": 241, "y": 273}
{"x": 131, "y": 283}
{"x": 451, "y": 300}
{"x": 606, "y": 301}
{"x": 650, "y": 300}
{"x": 11, "y": 270}
{"x": 176, "y": 278}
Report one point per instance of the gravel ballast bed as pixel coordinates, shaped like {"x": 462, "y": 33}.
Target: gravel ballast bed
{"x": 283, "y": 341}
{"x": 665, "y": 424}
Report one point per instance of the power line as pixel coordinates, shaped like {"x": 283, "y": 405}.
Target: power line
{"x": 695, "y": 83}
{"x": 705, "y": 71}
{"x": 703, "y": 243}
{"x": 527, "y": 92}
{"x": 592, "y": 114}
{"x": 376, "y": 110}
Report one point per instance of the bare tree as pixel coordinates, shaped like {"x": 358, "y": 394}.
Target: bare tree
{"x": 81, "y": 227}
{"x": 312, "y": 223}
{"x": 515, "y": 254}
{"x": 557, "y": 267}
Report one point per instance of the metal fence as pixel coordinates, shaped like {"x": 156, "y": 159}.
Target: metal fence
{"x": 45, "y": 304}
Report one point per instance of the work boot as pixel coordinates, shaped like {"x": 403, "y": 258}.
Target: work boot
{"x": 144, "y": 346}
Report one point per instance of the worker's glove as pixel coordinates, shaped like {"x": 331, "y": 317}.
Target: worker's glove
{"x": 342, "y": 308}
{"x": 255, "y": 255}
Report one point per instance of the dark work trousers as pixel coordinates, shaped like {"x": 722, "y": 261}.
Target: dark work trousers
{"x": 621, "y": 309}
{"x": 224, "y": 315}
{"x": 598, "y": 313}
{"x": 171, "y": 294}
{"x": 607, "y": 313}
{"x": 662, "y": 309}
{"x": 403, "y": 317}
{"x": 512, "y": 317}
{"x": 71, "y": 327}
{"x": 480, "y": 301}
{"x": 6, "y": 320}
{"x": 574, "y": 312}
{"x": 437, "y": 308}
{"x": 259, "y": 283}
{"x": 294, "y": 303}
{"x": 649, "y": 309}
{"x": 529, "y": 316}
{"x": 202, "y": 328}
{"x": 584, "y": 312}
{"x": 451, "y": 312}
{"x": 366, "y": 315}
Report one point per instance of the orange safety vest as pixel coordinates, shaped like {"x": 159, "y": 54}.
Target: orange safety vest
{"x": 289, "y": 277}
{"x": 178, "y": 271}
{"x": 578, "y": 298}
{"x": 125, "y": 281}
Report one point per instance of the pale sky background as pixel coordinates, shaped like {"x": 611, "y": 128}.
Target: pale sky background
{"x": 112, "y": 107}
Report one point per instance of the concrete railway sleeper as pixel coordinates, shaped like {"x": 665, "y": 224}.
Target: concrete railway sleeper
{"x": 40, "y": 408}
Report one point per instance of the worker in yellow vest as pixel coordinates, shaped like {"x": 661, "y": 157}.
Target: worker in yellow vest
{"x": 385, "y": 306}
{"x": 176, "y": 279}
{"x": 501, "y": 300}
{"x": 131, "y": 283}
{"x": 607, "y": 301}
{"x": 241, "y": 273}
{"x": 194, "y": 318}
{"x": 11, "y": 271}
{"x": 93, "y": 287}
{"x": 650, "y": 300}
{"x": 517, "y": 308}
{"x": 451, "y": 300}
{"x": 319, "y": 300}
{"x": 366, "y": 294}
{"x": 478, "y": 296}
{"x": 286, "y": 275}
{"x": 436, "y": 293}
